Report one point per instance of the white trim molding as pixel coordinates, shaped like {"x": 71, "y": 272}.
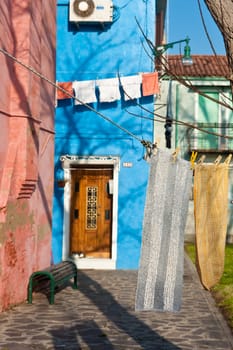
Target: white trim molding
{"x": 68, "y": 161}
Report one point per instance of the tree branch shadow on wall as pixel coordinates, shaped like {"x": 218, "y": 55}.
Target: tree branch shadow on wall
{"x": 24, "y": 98}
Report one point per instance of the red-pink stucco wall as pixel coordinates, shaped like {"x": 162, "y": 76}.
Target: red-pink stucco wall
{"x": 27, "y": 31}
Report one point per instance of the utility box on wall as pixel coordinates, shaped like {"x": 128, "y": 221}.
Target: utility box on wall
{"x": 91, "y": 11}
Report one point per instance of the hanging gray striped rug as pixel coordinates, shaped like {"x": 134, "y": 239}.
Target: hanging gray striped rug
{"x": 160, "y": 274}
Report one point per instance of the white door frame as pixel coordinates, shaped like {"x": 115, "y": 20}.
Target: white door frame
{"x": 67, "y": 162}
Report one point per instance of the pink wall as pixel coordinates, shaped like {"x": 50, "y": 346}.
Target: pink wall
{"x": 27, "y": 31}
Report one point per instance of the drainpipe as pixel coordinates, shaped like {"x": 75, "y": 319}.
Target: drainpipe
{"x": 177, "y": 113}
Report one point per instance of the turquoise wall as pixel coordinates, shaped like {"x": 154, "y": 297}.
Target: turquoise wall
{"x": 91, "y": 53}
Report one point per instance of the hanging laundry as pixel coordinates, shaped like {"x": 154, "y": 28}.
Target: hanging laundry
{"x": 160, "y": 274}
{"x": 211, "y": 217}
{"x": 84, "y": 91}
{"x": 109, "y": 90}
{"x": 150, "y": 84}
{"x": 131, "y": 86}
{"x": 66, "y": 86}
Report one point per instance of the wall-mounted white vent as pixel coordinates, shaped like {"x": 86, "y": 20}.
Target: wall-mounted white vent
{"x": 88, "y": 11}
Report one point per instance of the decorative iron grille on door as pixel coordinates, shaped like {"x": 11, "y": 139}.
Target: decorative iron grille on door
{"x": 91, "y": 212}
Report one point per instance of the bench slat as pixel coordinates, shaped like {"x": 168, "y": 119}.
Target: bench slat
{"x": 56, "y": 275}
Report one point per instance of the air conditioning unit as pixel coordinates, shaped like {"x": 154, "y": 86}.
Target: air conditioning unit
{"x": 91, "y": 11}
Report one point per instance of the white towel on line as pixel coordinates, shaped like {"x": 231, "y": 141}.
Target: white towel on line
{"x": 84, "y": 91}
{"x": 131, "y": 86}
{"x": 108, "y": 89}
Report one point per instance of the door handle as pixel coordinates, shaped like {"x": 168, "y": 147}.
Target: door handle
{"x": 107, "y": 214}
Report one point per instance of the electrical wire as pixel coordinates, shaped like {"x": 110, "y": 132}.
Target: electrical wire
{"x": 205, "y": 28}
{"x": 56, "y": 86}
{"x": 147, "y": 53}
{"x": 175, "y": 77}
{"x": 117, "y": 11}
{"x": 208, "y": 36}
{"x": 187, "y": 83}
{"x": 180, "y": 123}
{"x": 125, "y": 5}
{"x": 143, "y": 142}
{"x": 177, "y": 121}
{"x": 149, "y": 42}
{"x": 144, "y": 117}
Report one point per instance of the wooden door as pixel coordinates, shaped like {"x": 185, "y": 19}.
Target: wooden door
{"x": 91, "y": 213}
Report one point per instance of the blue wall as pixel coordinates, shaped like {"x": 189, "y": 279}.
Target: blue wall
{"x": 92, "y": 53}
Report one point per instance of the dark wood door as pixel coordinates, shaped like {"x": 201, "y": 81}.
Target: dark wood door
{"x": 91, "y": 213}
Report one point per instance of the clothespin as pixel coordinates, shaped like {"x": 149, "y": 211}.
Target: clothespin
{"x": 157, "y": 142}
{"x": 228, "y": 159}
{"x": 175, "y": 154}
{"x": 201, "y": 160}
{"x": 192, "y": 159}
{"x": 151, "y": 149}
{"x": 218, "y": 160}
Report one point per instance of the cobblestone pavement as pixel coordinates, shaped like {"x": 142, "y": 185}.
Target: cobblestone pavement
{"x": 100, "y": 315}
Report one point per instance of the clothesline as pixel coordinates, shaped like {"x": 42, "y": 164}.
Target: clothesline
{"x": 59, "y": 88}
{"x": 108, "y": 90}
{"x": 201, "y": 160}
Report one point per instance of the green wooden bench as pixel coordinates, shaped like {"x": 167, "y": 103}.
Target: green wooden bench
{"x": 51, "y": 278}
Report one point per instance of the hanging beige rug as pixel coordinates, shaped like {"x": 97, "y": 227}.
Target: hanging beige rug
{"x": 211, "y": 216}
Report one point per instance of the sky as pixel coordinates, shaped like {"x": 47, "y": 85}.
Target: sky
{"x": 184, "y": 19}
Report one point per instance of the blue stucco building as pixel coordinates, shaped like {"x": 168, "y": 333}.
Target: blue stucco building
{"x": 100, "y": 174}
